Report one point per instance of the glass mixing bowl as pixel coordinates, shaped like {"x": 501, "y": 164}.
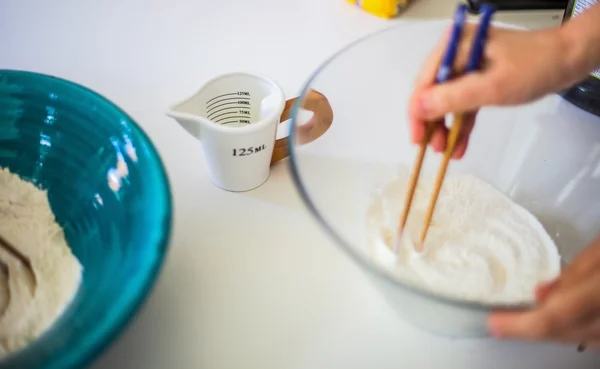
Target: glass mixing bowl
{"x": 108, "y": 189}
{"x": 544, "y": 155}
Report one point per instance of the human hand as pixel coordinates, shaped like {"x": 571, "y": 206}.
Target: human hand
{"x": 517, "y": 67}
{"x": 568, "y": 309}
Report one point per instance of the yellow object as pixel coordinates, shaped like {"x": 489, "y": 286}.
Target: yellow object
{"x": 381, "y": 8}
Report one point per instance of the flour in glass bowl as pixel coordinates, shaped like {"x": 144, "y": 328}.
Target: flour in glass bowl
{"x": 29, "y": 306}
{"x": 481, "y": 246}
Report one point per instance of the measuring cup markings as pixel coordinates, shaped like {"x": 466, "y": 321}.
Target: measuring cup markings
{"x": 239, "y": 93}
{"x": 226, "y": 110}
{"x": 245, "y": 114}
{"x": 241, "y": 121}
{"x": 212, "y": 110}
{"x": 247, "y": 99}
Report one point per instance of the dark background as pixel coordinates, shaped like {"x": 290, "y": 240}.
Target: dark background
{"x": 507, "y": 5}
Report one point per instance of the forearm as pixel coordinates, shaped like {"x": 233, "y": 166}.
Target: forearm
{"x": 581, "y": 36}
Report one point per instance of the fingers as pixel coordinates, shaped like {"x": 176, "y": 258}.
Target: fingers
{"x": 574, "y": 303}
{"x": 425, "y": 79}
{"x": 463, "y": 141}
{"x": 461, "y": 95}
{"x": 543, "y": 290}
{"x": 522, "y": 325}
{"x": 584, "y": 264}
{"x": 566, "y": 308}
{"x": 425, "y": 82}
{"x": 588, "y": 332}
{"x": 439, "y": 136}
{"x": 417, "y": 131}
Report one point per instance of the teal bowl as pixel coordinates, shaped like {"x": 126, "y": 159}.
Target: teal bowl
{"x": 108, "y": 189}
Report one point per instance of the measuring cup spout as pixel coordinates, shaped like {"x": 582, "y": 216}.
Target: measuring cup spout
{"x": 189, "y": 122}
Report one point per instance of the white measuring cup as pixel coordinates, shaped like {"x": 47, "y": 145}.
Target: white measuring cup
{"x": 235, "y": 116}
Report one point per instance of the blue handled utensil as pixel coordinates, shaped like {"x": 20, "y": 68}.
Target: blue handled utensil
{"x": 444, "y": 74}
{"x": 445, "y": 69}
{"x": 474, "y": 62}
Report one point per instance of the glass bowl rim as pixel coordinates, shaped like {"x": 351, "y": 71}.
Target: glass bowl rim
{"x": 373, "y": 268}
{"x": 88, "y": 353}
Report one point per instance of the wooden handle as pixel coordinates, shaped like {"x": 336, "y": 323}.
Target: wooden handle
{"x": 313, "y": 129}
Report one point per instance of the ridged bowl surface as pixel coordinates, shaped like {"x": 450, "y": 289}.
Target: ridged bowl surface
{"x": 108, "y": 189}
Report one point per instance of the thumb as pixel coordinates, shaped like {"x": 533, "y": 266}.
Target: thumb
{"x": 524, "y": 325}
{"x": 461, "y": 95}
{"x": 543, "y": 290}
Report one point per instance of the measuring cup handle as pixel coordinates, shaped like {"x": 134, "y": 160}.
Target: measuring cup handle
{"x": 311, "y": 130}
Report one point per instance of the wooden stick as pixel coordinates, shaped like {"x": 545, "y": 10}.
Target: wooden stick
{"x": 439, "y": 180}
{"x": 412, "y": 183}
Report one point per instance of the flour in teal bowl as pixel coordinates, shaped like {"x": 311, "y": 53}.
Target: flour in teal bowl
{"x": 30, "y": 304}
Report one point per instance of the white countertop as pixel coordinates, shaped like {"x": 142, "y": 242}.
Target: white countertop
{"x": 239, "y": 289}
